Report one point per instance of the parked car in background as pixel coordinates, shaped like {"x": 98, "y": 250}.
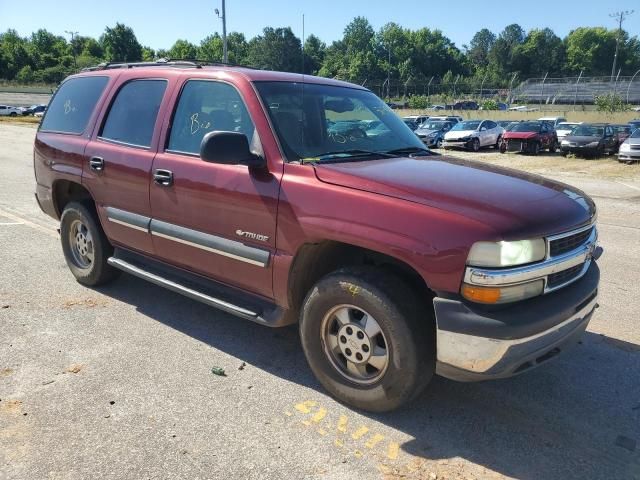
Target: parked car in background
{"x": 593, "y": 139}
{"x": 8, "y": 111}
{"x": 623, "y": 132}
{"x": 564, "y": 128}
{"x": 411, "y": 124}
{"x": 438, "y": 107}
{"x": 634, "y": 124}
{"x": 630, "y": 149}
{"x": 466, "y": 105}
{"x": 432, "y": 132}
{"x": 447, "y": 118}
{"x": 33, "y": 109}
{"x": 39, "y": 114}
{"x": 418, "y": 119}
{"x": 553, "y": 120}
{"x": 473, "y": 135}
{"x": 529, "y": 137}
{"x": 505, "y": 123}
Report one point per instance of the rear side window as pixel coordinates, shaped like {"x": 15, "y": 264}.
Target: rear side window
{"x": 205, "y": 106}
{"x": 132, "y": 116}
{"x": 73, "y": 104}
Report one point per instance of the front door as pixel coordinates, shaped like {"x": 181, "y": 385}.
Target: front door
{"x": 217, "y": 220}
{"x": 119, "y": 159}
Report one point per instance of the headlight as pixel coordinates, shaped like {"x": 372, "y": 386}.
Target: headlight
{"x": 592, "y": 144}
{"x": 433, "y": 134}
{"x": 625, "y": 147}
{"x": 493, "y": 295}
{"x": 506, "y": 254}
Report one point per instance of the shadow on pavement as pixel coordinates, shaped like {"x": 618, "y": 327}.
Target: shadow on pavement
{"x": 575, "y": 417}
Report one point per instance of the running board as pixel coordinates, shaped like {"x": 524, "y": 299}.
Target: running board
{"x": 198, "y": 288}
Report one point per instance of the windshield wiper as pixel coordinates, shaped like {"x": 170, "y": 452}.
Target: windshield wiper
{"x": 344, "y": 156}
{"x": 410, "y": 151}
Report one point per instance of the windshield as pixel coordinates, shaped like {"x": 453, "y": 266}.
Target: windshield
{"x": 316, "y": 122}
{"x": 565, "y": 126}
{"x": 525, "y": 127}
{"x": 636, "y": 133}
{"x": 587, "y": 131}
{"x": 469, "y": 125}
{"x": 434, "y": 125}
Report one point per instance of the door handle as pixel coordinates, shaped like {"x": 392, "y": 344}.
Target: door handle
{"x": 96, "y": 164}
{"x": 164, "y": 178}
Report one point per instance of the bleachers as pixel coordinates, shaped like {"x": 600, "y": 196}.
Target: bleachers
{"x": 570, "y": 90}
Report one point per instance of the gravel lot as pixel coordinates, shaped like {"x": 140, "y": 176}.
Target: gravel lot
{"x": 116, "y": 383}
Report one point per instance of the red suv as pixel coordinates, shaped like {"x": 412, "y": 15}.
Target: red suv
{"x": 529, "y": 137}
{"x": 229, "y": 185}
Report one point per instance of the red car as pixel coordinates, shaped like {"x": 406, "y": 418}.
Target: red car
{"x": 230, "y": 186}
{"x": 529, "y": 137}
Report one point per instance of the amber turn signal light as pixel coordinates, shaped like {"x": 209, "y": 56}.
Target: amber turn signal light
{"x": 480, "y": 294}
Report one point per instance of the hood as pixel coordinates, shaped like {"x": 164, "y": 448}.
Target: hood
{"x": 515, "y": 204}
{"x": 425, "y": 132}
{"x": 580, "y": 140}
{"x": 519, "y": 135}
{"x": 453, "y": 135}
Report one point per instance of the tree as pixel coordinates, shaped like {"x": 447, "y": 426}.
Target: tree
{"x": 480, "y": 46}
{"x": 13, "y": 54}
{"x": 501, "y": 54}
{"x": 211, "y": 48}
{"x": 183, "y": 49}
{"x": 592, "y": 48}
{"x": 276, "y": 49}
{"x": 120, "y": 44}
{"x": 148, "y": 54}
{"x": 314, "y": 51}
{"x": 541, "y": 52}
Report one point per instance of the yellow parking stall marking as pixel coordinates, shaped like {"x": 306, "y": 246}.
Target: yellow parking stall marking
{"x": 338, "y": 443}
{"x": 305, "y": 407}
{"x": 373, "y": 441}
{"x": 358, "y": 454}
{"x": 361, "y": 432}
{"x": 288, "y": 413}
{"x": 322, "y": 431}
{"x": 319, "y": 415}
{"x": 342, "y": 424}
{"x": 393, "y": 450}
{"x": 306, "y": 422}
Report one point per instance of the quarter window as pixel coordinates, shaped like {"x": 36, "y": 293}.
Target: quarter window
{"x": 73, "y": 104}
{"x": 207, "y": 106}
{"x": 132, "y": 116}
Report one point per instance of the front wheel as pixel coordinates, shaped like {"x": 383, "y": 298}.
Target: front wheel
{"x": 475, "y": 145}
{"x": 498, "y": 142}
{"x": 85, "y": 246}
{"x": 439, "y": 143}
{"x": 368, "y": 338}
{"x": 552, "y": 147}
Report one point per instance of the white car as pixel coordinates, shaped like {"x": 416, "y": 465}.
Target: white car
{"x": 419, "y": 119}
{"x": 564, "y": 128}
{"x": 553, "y": 120}
{"x": 473, "y": 135}
{"x": 7, "y": 111}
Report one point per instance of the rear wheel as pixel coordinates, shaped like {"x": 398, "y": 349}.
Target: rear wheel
{"x": 503, "y": 148}
{"x": 13, "y": 114}
{"x": 368, "y": 338}
{"x": 85, "y": 246}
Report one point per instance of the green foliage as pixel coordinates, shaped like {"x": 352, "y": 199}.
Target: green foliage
{"x": 610, "y": 103}
{"x": 419, "y": 101}
{"x": 277, "y": 49}
{"x": 183, "y": 49}
{"x": 490, "y": 105}
{"x": 120, "y": 44}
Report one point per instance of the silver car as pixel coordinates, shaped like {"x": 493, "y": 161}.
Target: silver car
{"x": 630, "y": 149}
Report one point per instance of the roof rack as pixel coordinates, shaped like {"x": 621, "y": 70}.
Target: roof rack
{"x": 162, "y": 62}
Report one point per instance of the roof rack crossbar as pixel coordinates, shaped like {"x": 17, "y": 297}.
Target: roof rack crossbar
{"x": 162, "y": 62}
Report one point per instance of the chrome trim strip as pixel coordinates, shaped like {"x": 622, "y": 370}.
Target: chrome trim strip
{"x": 209, "y": 249}
{"x": 551, "y": 238}
{"x": 516, "y": 275}
{"x": 125, "y": 224}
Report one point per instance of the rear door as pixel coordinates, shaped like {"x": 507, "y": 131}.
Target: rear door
{"x": 119, "y": 158}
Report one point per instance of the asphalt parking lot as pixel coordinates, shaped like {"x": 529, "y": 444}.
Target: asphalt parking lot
{"x": 116, "y": 382}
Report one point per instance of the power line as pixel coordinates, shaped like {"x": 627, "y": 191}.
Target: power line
{"x": 620, "y": 17}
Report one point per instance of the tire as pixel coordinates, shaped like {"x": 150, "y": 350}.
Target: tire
{"x": 536, "y": 148}
{"x": 439, "y": 143}
{"x": 475, "y": 145}
{"x": 503, "y": 148}
{"x": 498, "y": 142}
{"x": 564, "y": 154}
{"x": 406, "y": 338}
{"x": 599, "y": 151}
{"x": 13, "y": 114}
{"x": 553, "y": 147}
{"x": 85, "y": 246}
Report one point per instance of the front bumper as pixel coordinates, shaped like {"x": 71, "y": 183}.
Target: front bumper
{"x": 475, "y": 343}
{"x": 457, "y": 143}
{"x": 429, "y": 141}
{"x": 579, "y": 149}
{"x": 629, "y": 155}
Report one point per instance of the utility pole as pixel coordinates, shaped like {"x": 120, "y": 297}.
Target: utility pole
{"x": 620, "y": 17}
{"x": 73, "y": 47}
{"x": 223, "y": 17}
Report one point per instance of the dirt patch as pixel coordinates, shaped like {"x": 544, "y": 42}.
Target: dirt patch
{"x": 74, "y": 368}
{"x": 13, "y": 407}
{"x": 87, "y": 302}
{"x": 5, "y": 372}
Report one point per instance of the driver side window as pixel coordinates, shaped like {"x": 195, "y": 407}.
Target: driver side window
{"x": 206, "y": 106}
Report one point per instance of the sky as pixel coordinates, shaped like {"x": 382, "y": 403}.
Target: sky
{"x": 158, "y": 23}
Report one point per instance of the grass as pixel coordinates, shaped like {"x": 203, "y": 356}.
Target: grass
{"x": 569, "y": 114}
{"x": 24, "y": 120}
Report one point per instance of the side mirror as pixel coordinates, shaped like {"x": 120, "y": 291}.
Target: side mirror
{"x": 229, "y": 148}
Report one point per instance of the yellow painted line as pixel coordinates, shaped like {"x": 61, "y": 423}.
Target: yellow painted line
{"x": 307, "y": 423}
{"x": 342, "y": 424}
{"x": 319, "y": 415}
{"x": 361, "y": 432}
{"x": 49, "y": 231}
{"x": 373, "y": 441}
{"x": 357, "y": 454}
{"x": 338, "y": 443}
{"x": 305, "y": 407}
{"x": 393, "y": 450}
{"x": 322, "y": 431}
{"x": 288, "y": 413}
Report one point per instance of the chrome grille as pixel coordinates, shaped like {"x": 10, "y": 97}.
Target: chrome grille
{"x": 568, "y": 243}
